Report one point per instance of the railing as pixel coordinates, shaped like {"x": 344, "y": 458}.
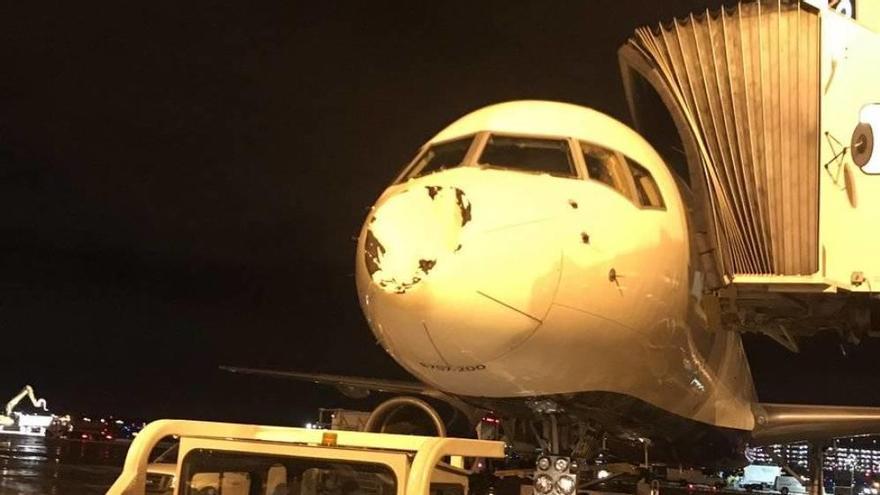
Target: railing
{"x": 428, "y": 450}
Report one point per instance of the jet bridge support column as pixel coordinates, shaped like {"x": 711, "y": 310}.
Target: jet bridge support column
{"x": 817, "y": 467}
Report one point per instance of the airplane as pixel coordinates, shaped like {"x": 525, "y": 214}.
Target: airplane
{"x": 542, "y": 261}
{"x": 534, "y": 261}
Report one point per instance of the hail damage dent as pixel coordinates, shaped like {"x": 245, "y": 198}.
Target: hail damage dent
{"x": 464, "y": 207}
{"x": 410, "y": 234}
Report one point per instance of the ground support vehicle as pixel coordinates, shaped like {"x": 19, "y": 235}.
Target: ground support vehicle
{"x": 237, "y": 459}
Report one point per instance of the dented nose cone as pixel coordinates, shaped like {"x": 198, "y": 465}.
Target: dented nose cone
{"x": 448, "y": 278}
{"x": 413, "y": 231}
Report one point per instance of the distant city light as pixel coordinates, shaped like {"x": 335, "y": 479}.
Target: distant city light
{"x": 850, "y": 457}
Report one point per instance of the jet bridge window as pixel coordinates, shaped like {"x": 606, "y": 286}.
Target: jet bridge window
{"x": 441, "y": 156}
{"x": 605, "y": 166}
{"x": 646, "y": 186}
{"x": 547, "y": 156}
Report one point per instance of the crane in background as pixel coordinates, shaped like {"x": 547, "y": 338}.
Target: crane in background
{"x": 26, "y": 391}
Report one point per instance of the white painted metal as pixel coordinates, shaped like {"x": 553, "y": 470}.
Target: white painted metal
{"x": 849, "y": 213}
{"x": 404, "y": 454}
{"x": 526, "y": 307}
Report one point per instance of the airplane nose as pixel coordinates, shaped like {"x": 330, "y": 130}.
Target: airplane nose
{"x": 451, "y": 283}
{"x": 412, "y": 232}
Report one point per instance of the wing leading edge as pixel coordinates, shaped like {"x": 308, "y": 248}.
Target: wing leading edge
{"x": 783, "y": 423}
{"x": 775, "y": 423}
{"x": 357, "y": 387}
{"x": 351, "y": 386}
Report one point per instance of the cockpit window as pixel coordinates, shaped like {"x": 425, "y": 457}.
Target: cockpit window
{"x": 646, "y": 186}
{"x": 549, "y": 156}
{"x": 442, "y": 156}
{"x": 605, "y": 166}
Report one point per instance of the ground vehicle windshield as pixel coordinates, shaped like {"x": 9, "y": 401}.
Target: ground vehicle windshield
{"x": 212, "y": 472}
{"x": 168, "y": 455}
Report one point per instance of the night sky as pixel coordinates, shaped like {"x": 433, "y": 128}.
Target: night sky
{"x": 181, "y": 185}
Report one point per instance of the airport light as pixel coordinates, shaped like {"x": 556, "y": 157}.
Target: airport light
{"x": 565, "y": 485}
{"x": 561, "y": 464}
{"x": 543, "y": 484}
{"x": 556, "y": 474}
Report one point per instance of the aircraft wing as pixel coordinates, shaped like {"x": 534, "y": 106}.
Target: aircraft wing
{"x": 783, "y": 423}
{"x": 350, "y": 386}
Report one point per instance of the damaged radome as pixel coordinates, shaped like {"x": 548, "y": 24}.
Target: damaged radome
{"x": 409, "y": 235}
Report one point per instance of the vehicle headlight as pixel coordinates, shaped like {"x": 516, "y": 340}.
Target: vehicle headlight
{"x": 543, "y": 463}
{"x": 543, "y": 483}
{"x": 561, "y": 464}
{"x": 602, "y": 474}
{"x": 565, "y": 485}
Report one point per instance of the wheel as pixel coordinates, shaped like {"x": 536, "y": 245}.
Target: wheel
{"x": 784, "y": 490}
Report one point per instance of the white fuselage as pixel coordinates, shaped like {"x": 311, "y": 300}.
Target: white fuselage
{"x": 485, "y": 281}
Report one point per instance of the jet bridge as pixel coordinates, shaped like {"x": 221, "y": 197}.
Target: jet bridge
{"x": 765, "y": 98}
{"x": 767, "y": 112}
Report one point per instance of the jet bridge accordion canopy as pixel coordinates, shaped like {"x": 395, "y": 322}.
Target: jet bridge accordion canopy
{"x": 742, "y": 87}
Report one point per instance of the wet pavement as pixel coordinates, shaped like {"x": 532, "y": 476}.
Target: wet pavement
{"x": 37, "y": 465}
